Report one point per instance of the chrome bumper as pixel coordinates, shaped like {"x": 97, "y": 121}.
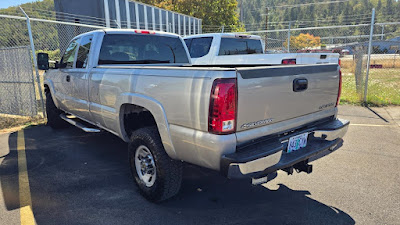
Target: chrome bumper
{"x": 269, "y": 156}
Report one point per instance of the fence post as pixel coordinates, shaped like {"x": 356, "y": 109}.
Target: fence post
{"x": 28, "y": 24}
{"x": 266, "y": 29}
{"x": 288, "y": 39}
{"x": 222, "y": 29}
{"x": 369, "y": 54}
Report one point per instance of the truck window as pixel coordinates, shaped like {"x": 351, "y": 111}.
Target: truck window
{"x": 188, "y": 42}
{"x": 83, "y": 52}
{"x": 67, "y": 61}
{"x": 235, "y": 46}
{"x": 141, "y": 49}
{"x": 199, "y": 47}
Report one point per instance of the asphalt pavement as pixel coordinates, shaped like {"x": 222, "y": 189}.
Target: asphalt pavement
{"x": 80, "y": 178}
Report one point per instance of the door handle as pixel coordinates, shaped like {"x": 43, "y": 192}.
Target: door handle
{"x": 300, "y": 84}
{"x": 68, "y": 78}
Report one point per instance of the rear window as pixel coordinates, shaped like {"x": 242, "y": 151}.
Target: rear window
{"x": 235, "y": 46}
{"x": 198, "y": 47}
{"x": 141, "y": 49}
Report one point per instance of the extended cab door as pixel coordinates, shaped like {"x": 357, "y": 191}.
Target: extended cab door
{"x": 79, "y": 105}
{"x": 62, "y": 77}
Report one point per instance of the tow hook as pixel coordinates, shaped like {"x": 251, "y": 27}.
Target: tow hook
{"x": 303, "y": 167}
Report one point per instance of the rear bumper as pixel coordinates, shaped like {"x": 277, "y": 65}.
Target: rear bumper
{"x": 265, "y": 157}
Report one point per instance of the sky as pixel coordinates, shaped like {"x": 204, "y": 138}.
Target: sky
{"x": 8, "y": 3}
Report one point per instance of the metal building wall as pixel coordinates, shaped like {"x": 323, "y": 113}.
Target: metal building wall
{"x": 128, "y": 14}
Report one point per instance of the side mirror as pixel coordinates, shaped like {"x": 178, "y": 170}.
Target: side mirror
{"x": 43, "y": 61}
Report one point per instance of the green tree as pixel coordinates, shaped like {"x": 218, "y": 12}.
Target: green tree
{"x": 304, "y": 41}
{"x": 212, "y": 12}
{"x": 379, "y": 6}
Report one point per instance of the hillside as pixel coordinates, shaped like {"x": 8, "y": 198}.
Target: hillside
{"x": 350, "y": 12}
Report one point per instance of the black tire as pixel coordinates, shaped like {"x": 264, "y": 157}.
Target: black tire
{"x": 53, "y": 114}
{"x": 168, "y": 171}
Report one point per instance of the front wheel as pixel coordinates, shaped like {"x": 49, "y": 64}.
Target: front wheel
{"x": 157, "y": 176}
{"x": 53, "y": 113}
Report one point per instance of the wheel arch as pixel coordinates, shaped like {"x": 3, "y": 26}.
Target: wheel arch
{"x": 155, "y": 109}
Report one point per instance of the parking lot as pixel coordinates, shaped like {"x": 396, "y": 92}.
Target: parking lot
{"x": 80, "y": 178}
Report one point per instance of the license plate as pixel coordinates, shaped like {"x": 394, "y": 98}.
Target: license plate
{"x": 297, "y": 142}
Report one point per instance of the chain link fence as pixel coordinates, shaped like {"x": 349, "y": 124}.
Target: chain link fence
{"x": 18, "y": 100}
{"x": 351, "y": 42}
{"x": 53, "y": 37}
{"x": 21, "y": 85}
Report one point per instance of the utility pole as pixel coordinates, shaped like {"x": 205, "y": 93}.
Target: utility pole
{"x": 241, "y": 11}
{"x": 266, "y": 28}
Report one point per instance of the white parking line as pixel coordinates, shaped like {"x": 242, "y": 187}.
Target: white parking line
{"x": 369, "y": 125}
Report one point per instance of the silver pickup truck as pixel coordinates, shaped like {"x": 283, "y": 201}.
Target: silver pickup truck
{"x": 246, "y": 122}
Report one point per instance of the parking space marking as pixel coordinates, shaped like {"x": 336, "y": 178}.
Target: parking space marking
{"x": 369, "y": 125}
{"x": 25, "y": 201}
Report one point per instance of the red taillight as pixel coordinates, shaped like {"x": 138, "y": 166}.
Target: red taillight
{"x": 288, "y": 61}
{"x": 340, "y": 88}
{"x": 144, "y": 32}
{"x": 340, "y": 62}
{"x": 223, "y": 103}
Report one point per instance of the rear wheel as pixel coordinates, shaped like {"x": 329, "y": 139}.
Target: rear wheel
{"x": 157, "y": 176}
{"x": 53, "y": 113}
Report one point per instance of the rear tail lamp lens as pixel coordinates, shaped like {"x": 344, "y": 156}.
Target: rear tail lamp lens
{"x": 288, "y": 61}
{"x": 223, "y": 106}
{"x": 340, "y": 88}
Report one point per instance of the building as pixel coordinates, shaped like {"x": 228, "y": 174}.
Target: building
{"x": 120, "y": 14}
{"x": 127, "y": 14}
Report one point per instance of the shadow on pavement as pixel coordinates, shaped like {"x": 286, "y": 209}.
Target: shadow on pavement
{"x": 79, "y": 178}
{"x": 377, "y": 114}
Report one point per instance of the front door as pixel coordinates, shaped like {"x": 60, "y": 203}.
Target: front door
{"x": 63, "y": 78}
{"x": 79, "y": 80}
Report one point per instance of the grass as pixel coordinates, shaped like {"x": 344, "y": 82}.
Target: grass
{"x": 383, "y": 87}
{"x": 384, "y": 60}
{"x": 10, "y": 121}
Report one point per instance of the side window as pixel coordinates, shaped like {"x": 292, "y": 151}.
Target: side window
{"x": 200, "y": 47}
{"x": 68, "y": 58}
{"x": 83, "y": 52}
{"x": 188, "y": 42}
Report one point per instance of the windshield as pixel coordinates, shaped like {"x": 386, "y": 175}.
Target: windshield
{"x": 141, "y": 49}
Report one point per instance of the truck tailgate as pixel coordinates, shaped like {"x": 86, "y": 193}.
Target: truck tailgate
{"x": 316, "y": 58}
{"x": 268, "y": 95}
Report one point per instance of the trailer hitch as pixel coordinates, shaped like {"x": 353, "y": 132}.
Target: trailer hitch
{"x": 303, "y": 167}
{"x": 299, "y": 167}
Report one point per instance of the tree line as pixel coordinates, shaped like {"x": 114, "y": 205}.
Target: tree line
{"x": 348, "y": 12}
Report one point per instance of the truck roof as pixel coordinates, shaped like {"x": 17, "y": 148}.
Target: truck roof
{"x": 230, "y": 35}
{"x": 128, "y": 31}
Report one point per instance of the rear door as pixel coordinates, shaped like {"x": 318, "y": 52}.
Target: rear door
{"x": 268, "y": 95}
